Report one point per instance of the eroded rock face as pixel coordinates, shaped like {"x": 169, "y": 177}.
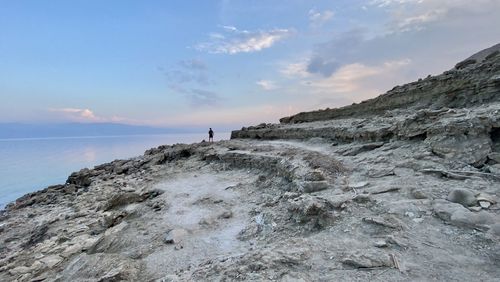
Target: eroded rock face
{"x": 465, "y": 135}
{"x": 101, "y": 267}
{"x": 473, "y": 82}
{"x": 472, "y": 150}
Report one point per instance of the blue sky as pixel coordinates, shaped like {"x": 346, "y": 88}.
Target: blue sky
{"x": 223, "y": 63}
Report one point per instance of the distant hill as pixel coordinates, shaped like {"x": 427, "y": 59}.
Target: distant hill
{"x": 18, "y": 130}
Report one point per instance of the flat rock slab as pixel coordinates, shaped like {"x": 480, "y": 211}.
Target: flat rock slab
{"x": 378, "y": 173}
{"x": 381, "y": 190}
{"x": 367, "y": 259}
{"x": 355, "y": 150}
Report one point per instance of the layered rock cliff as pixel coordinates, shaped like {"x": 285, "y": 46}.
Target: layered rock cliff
{"x": 474, "y": 81}
{"x": 398, "y": 188}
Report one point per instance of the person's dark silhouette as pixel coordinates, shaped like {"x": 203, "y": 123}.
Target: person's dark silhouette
{"x": 210, "y": 135}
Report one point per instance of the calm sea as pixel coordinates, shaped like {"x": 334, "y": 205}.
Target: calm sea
{"x": 27, "y": 165}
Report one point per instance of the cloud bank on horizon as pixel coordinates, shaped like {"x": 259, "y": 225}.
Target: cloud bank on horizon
{"x": 227, "y": 62}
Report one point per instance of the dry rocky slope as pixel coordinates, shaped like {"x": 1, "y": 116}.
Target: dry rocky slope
{"x": 403, "y": 187}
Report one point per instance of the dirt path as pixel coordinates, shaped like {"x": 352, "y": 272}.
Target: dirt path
{"x": 207, "y": 213}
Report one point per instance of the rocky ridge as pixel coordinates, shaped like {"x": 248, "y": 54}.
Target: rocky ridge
{"x": 399, "y": 194}
{"x": 473, "y": 82}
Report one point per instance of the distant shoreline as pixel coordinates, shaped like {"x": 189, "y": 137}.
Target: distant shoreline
{"x": 93, "y": 137}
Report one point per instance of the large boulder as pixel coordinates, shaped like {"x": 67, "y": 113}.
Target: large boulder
{"x": 81, "y": 178}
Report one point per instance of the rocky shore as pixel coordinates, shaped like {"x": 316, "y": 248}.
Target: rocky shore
{"x": 403, "y": 187}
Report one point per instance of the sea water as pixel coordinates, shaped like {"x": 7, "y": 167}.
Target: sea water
{"x": 27, "y": 165}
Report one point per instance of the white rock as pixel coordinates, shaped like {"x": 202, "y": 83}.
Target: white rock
{"x": 418, "y": 220}
{"x": 51, "y": 261}
{"x": 476, "y": 209}
{"x": 19, "y": 270}
{"x": 409, "y": 214}
{"x": 380, "y": 244}
{"x": 484, "y": 204}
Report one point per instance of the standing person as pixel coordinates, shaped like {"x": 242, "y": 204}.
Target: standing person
{"x": 210, "y": 135}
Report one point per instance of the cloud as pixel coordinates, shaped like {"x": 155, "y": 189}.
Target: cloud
{"x": 201, "y": 97}
{"x": 234, "y": 116}
{"x": 235, "y": 41}
{"x": 319, "y": 18}
{"x": 359, "y": 79}
{"x": 295, "y": 70}
{"x": 187, "y": 71}
{"x": 349, "y": 83}
{"x": 324, "y": 66}
{"x": 407, "y": 15}
{"x": 197, "y": 97}
{"x": 175, "y": 76}
{"x": 187, "y": 78}
{"x": 330, "y": 56}
{"x": 193, "y": 64}
{"x": 76, "y": 114}
{"x": 386, "y": 3}
{"x": 418, "y": 21}
{"x": 88, "y": 116}
{"x": 414, "y": 39}
{"x": 437, "y": 34}
{"x": 267, "y": 84}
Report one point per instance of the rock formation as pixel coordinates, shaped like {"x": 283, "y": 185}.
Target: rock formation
{"x": 404, "y": 186}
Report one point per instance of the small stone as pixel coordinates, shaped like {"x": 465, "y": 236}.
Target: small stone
{"x": 475, "y": 209}
{"x": 484, "y": 204}
{"x": 226, "y": 214}
{"x": 462, "y": 196}
{"x": 418, "y": 220}
{"x": 380, "y": 244}
{"x": 313, "y": 186}
{"x": 418, "y": 194}
{"x": 409, "y": 214}
{"x": 362, "y": 199}
{"x": 175, "y": 236}
{"x": 206, "y": 222}
{"x": 487, "y": 198}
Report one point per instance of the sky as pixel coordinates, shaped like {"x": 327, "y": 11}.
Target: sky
{"x": 223, "y": 63}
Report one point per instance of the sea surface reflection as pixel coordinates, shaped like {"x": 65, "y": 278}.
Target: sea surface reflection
{"x": 32, "y": 164}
